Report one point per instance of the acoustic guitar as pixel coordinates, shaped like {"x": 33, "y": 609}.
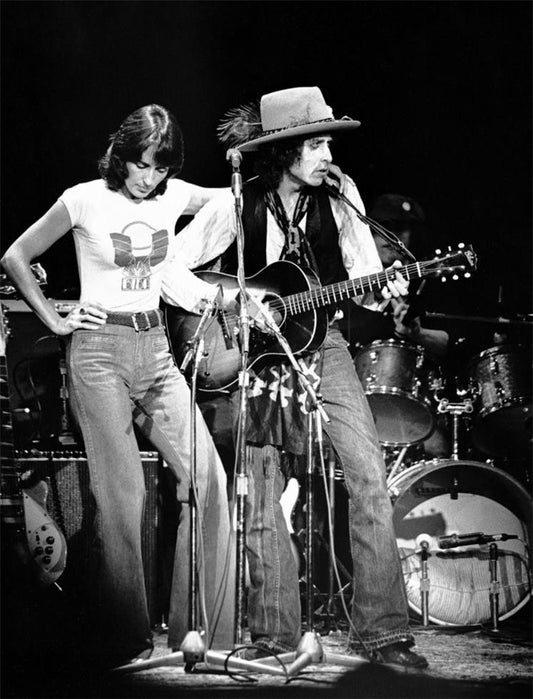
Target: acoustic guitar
{"x": 301, "y": 308}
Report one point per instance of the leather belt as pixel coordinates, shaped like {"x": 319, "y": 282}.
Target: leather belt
{"x": 142, "y": 320}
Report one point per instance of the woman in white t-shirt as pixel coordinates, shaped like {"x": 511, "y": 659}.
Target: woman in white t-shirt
{"x": 121, "y": 370}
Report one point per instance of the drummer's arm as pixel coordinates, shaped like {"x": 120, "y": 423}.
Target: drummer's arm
{"x": 434, "y": 340}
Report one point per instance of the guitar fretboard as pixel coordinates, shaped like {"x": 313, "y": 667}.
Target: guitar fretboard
{"x": 11, "y": 504}
{"x": 340, "y": 291}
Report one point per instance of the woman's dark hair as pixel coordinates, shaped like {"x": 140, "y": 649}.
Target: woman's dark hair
{"x": 273, "y": 160}
{"x": 147, "y": 126}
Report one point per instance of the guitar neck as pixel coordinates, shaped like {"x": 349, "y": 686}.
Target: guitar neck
{"x": 11, "y": 504}
{"x": 340, "y": 291}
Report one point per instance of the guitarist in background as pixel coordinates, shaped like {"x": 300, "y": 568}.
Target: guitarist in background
{"x": 404, "y": 217}
{"x": 289, "y": 214}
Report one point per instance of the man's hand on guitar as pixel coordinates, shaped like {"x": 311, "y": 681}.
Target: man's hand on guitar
{"x": 399, "y": 286}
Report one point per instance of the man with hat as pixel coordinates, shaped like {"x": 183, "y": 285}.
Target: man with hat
{"x": 289, "y": 214}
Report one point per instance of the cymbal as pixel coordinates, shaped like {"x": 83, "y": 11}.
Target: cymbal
{"x": 499, "y": 320}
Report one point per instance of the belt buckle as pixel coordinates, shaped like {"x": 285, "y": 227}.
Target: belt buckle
{"x": 136, "y": 324}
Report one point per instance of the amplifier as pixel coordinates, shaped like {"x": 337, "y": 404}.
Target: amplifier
{"x": 34, "y": 358}
{"x": 71, "y": 505}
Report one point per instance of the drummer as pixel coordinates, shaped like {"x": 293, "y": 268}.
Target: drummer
{"x": 404, "y": 217}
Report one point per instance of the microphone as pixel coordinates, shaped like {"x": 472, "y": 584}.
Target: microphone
{"x": 208, "y": 312}
{"x": 234, "y": 156}
{"x": 454, "y": 540}
{"x": 424, "y": 542}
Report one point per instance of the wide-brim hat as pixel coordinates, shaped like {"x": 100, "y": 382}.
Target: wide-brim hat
{"x": 290, "y": 113}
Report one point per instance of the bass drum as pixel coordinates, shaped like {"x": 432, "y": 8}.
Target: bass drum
{"x": 441, "y": 497}
{"x": 399, "y": 381}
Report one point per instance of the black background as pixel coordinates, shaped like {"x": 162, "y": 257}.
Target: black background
{"x": 443, "y": 91}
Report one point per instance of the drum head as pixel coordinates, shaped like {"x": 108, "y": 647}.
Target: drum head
{"x": 461, "y": 497}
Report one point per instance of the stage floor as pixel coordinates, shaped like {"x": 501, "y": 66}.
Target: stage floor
{"x": 463, "y": 662}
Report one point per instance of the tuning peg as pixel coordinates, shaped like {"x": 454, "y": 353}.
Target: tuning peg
{"x": 461, "y": 246}
{"x": 449, "y": 248}
{"x": 455, "y": 277}
{"x": 467, "y": 275}
{"x": 443, "y": 279}
{"x": 438, "y": 251}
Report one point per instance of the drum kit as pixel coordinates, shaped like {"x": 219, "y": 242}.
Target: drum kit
{"x": 485, "y": 416}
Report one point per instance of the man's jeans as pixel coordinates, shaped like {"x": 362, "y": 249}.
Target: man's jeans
{"x": 379, "y": 605}
{"x": 116, "y": 375}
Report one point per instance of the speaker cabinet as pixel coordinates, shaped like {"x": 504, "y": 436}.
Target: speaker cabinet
{"x": 71, "y": 505}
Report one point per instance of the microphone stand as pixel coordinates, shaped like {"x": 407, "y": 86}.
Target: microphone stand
{"x": 424, "y": 583}
{"x": 495, "y": 587}
{"x": 389, "y": 236}
{"x": 309, "y": 650}
{"x": 193, "y": 648}
{"x": 241, "y": 475}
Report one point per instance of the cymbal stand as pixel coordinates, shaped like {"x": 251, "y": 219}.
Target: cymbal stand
{"x": 455, "y": 410}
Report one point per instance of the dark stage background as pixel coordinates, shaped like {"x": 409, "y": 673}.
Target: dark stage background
{"x": 443, "y": 91}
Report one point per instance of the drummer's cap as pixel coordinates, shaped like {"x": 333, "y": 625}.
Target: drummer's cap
{"x": 397, "y": 208}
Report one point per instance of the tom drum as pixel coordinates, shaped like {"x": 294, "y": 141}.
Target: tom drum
{"x": 399, "y": 380}
{"x": 501, "y": 381}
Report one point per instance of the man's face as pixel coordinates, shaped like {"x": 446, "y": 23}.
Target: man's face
{"x": 312, "y": 167}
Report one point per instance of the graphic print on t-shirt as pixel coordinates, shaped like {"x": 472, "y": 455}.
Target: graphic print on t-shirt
{"x": 138, "y": 249}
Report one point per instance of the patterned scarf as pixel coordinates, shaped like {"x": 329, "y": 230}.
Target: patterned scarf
{"x": 296, "y": 248}
{"x": 278, "y": 403}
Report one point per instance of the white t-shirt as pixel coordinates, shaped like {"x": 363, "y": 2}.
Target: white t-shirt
{"x": 123, "y": 247}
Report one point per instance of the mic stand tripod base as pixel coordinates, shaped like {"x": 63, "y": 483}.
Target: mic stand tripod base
{"x": 192, "y": 651}
{"x": 310, "y": 652}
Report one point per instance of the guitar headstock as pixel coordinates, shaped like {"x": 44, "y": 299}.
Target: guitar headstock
{"x": 453, "y": 263}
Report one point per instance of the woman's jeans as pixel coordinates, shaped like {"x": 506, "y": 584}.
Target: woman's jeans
{"x": 118, "y": 375}
{"x": 379, "y": 604}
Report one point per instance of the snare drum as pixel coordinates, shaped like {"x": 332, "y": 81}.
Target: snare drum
{"x": 500, "y": 382}
{"x": 400, "y": 381}
{"x": 441, "y": 497}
